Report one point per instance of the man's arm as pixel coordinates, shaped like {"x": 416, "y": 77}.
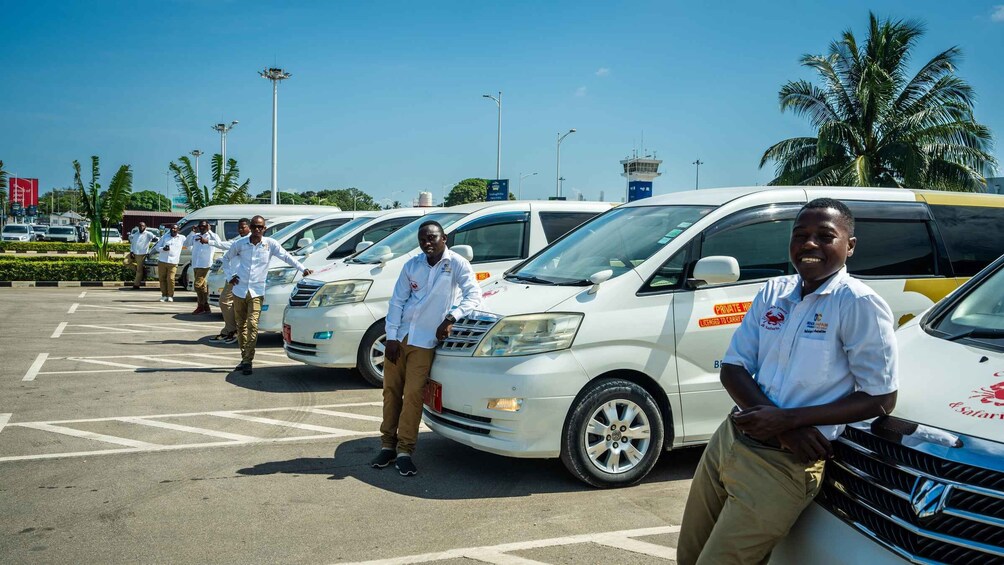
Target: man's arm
{"x": 470, "y": 292}
{"x": 228, "y": 257}
{"x": 219, "y": 244}
{"x": 395, "y": 313}
{"x": 160, "y": 244}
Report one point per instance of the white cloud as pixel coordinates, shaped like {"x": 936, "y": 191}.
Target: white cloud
{"x": 998, "y": 15}
{"x": 580, "y": 92}
{"x": 602, "y": 72}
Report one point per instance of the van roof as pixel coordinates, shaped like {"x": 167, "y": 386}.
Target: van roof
{"x": 530, "y": 205}
{"x": 721, "y": 196}
{"x": 267, "y": 210}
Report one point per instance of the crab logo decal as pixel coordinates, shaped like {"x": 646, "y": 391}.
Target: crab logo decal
{"x": 773, "y": 318}
{"x": 993, "y": 394}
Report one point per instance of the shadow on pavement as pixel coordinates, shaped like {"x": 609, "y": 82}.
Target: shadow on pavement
{"x": 450, "y": 471}
{"x": 297, "y": 378}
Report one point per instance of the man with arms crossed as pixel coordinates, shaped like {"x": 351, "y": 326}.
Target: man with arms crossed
{"x": 252, "y": 255}
{"x": 139, "y": 246}
{"x": 420, "y": 315}
{"x": 229, "y": 332}
{"x": 201, "y": 241}
{"x": 815, "y": 351}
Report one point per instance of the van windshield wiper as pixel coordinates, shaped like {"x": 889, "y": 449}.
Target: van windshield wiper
{"x": 530, "y": 278}
{"x": 977, "y": 333}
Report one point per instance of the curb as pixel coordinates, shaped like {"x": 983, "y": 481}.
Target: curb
{"x": 64, "y": 252}
{"x": 64, "y": 284}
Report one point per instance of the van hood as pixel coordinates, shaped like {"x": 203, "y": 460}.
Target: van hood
{"x": 944, "y": 384}
{"x": 340, "y": 270}
{"x": 507, "y": 298}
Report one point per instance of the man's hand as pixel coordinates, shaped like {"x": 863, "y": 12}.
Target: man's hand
{"x": 443, "y": 331}
{"x": 235, "y": 280}
{"x": 393, "y": 350}
{"x": 806, "y": 443}
{"x": 307, "y": 272}
{"x": 203, "y": 239}
{"x": 763, "y": 422}
{"x": 167, "y": 248}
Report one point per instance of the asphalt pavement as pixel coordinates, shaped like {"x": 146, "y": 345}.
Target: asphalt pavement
{"x": 125, "y": 437}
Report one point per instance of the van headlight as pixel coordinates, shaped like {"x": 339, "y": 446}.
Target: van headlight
{"x": 340, "y": 292}
{"x": 529, "y": 334}
{"x": 280, "y": 276}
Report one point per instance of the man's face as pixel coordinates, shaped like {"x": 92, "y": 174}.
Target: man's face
{"x": 203, "y": 227}
{"x": 174, "y": 229}
{"x": 142, "y": 227}
{"x": 820, "y": 244}
{"x": 243, "y": 229}
{"x": 431, "y": 240}
{"x": 257, "y": 228}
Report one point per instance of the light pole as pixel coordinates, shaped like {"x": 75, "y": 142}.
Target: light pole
{"x": 167, "y": 189}
{"x": 557, "y": 173}
{"x": 519, "y": 192}
{"x": 197, "y": 154}
{"x": 224, "y": 129}
{"x": 275, "y": 75}
{"x": 697, "y": 181}
{"x": 498, "y": 154}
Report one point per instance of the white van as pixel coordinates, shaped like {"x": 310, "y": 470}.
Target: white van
{"x": 335, "y": 318}
{"x": 223, "y": 220}
{"x": 925, "y": 485}
{"x": 364, "y": 230}
{"x": 623, "y": 322}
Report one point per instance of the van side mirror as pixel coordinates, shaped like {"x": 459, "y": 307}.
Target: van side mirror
{"x": 363, "y": 245}
{"x": 716, "y": 269}
{"x": 304, "y": 241}
{"x": 384, "y": 253}
{"x": 599, "y": 278}
{"x": 465, "y": 251}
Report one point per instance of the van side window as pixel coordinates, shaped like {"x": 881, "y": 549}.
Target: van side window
{"x": 973, "y": 235}
{"x": 372, "y": 234}
{"x": 892, "y": 249}
{"x": 557, "y": 224}
{"x": 314, "y": 232}
{"x": 495, "y": 238}
{"x": 761, "y": 248}
{"x": 229, "y": 230}
{"x": 670, "y": 274}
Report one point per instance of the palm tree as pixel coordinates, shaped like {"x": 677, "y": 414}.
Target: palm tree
{"x": 103, "y": 209}
{"x": 226, "y": 189}
{"x": 878, "y": 126}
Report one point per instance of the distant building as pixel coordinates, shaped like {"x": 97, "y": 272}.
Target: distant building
{"x": 995, "y": 185}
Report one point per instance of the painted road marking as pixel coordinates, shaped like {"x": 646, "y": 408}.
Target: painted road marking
{"x": 136, "y": 446}
{"x": 4, "y": 418}
{"x": 108, "y": 363}
{"x": 58, "y": 331}
{"x": 498, "y": 553}
{"x": 35, "y": 367}
{"x": 82, "y": 294}
{"x": 97, "y": 329}
{"x": 73, "y": 308}
{"x": 349, "y": 415}
{"x": 132, "y": 308}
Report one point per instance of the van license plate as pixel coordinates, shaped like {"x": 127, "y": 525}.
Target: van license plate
{"x": 434, "y": 396}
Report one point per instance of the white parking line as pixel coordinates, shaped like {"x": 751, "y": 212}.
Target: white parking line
{"x": 88, "y": 435}
{"x": 33, "y": 370}
{"x": 82, "y": 294}
{"x": 58, "y": 331}
{"x": 189, "y": 429}
{"x": 498, "y": 553}
{"x": 73, "y": 308}
{"x": 349, "y": 415}
{"x": 108, "y": 363}
{"x": 4, "y": 418}
{"x": 234, "y": 416}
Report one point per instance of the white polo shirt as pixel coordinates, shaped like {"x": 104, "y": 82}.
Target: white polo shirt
{"x": 250, "y": 264}
{"x": 173, "y": 255}
{"x": 202, "y": 253}
{"x": 425, "y": 294}
{"x": 139, "y": 242}
{"x": 820, "y": 348}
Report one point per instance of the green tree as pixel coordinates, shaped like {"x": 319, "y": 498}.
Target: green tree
{"x": 227, "y": 188}
{"x": 265, "y": 197}
{"x": 878, "y": 126}
{"x": 468, "y": 190}
{"x": 348, "y": 199}
{"x": 103, "y": 210}
{"x": 149, "y": 200}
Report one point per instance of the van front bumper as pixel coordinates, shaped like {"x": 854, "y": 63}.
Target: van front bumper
{"x": 346, "y": 323}
{"x": 546, "y": 384}
{"x": 820, "y": 538}
{"x": 276, "y": 299}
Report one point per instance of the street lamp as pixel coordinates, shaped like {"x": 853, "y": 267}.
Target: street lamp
{"x": 197, "y": 154}
{"x": 498, "y": 154}
{"x": 557, "y": 174}
{"x": 697, "y": 181}
{"x": 275, "y": 75}
{"x": 224, "y": 129}
{"x": 519, "y": 193}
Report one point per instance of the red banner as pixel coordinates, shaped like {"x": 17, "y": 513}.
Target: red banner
{"x": 24, "y": 191}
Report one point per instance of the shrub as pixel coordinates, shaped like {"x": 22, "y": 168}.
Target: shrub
{"x": 59, "y": 258}
{"x": 38, "y": 269}
{"x": 44, "y": 246}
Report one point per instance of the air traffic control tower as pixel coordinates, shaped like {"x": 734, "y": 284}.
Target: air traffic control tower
{"x": 640, "y": 172}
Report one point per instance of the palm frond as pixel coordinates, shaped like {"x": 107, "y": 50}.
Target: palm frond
{"x": 117, "y": 197}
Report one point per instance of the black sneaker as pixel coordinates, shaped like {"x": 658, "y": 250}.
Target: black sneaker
{"x": 247, "y": 369}
{"x": 406, "y": 467}
{"x": 220, "y": 337}
{"x": 241, "y": 366}
{"x": 384, "y": 458}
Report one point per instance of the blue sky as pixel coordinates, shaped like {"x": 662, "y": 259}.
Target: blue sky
{"x": 386, "y": 96}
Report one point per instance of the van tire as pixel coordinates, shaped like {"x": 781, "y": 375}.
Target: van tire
{"x": 371, "y": 373}
{"x": 619, "y": 396}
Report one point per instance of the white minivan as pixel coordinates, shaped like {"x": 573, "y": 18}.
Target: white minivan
{"x": 605, "y": 348}
{"x": 926, "y": 484}
{"x": 335, "y": 317}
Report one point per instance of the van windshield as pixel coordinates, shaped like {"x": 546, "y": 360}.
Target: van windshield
{"x": 61, "y": 231}
{"x": 619, "y": 240}
{"x": 405, "y": 239}
{"x": 979, "y": 316}
{"x": 285, "y": 232}
{"x": 15, "y": 229}
{"x": 333, "y": 235}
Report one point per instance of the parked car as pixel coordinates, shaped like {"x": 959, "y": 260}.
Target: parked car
{"x": 67, "y": 234}
{"x": 18, "y": 232}
{"x": 335, "y": 317}
{"x": 926, "y": 484}
{"x": 40, "y": 231}
{"x": 632, "y": 312}
{"x": 112, "y": 235}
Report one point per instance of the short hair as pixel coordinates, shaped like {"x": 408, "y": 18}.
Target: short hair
{"x": 842, "y": 210}
{"x": 253, "y": 218}
{"x": 244, "y": 221}
{"x": 431, "y": 223}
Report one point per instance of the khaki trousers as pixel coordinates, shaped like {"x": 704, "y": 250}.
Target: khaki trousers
{"x": 246, "y": 312}
{"x": 227, "y": 308}
{"x": 743, "y": 500}
{"x": 165, "y": 273}
{"x": 140, "y": 270}
{"x": 403, "y": 389}
{"x": 201, "y": 287}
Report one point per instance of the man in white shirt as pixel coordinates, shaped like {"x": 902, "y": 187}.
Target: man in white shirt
{"x": 814, "y": 352}
{"x": 200, "y": 242}
{"x": 139, "y": 246}
{"x": 252, "y": 255}
{"x": 421, "y": 314}
{"x": 229, "y": 332}
{"x": 169, "y": 254}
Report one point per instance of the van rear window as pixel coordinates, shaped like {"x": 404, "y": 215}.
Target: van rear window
{"x": 892, "y": 249}
{"x": 972, "y": 234}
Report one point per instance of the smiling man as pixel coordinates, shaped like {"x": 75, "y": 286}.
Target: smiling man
{"x": 815, "y": 351}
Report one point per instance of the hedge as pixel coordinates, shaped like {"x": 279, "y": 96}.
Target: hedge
{"x": 85, "y": 270}
{"x": 43, "y": 246}
{"x": 57, "y": 258}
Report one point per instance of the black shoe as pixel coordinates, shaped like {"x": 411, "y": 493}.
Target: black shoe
{"x": 247, "y": 369}
{"x": 406, "y": 467}
{"x": 241, "y": 366}
{"x": 384, "y": 458}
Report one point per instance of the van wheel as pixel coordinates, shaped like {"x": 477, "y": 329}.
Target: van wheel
{"x": 614, "y": 434}
{"x": 370, "y": 358}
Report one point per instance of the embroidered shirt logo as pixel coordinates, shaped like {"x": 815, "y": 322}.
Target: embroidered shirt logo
{"x": 446, "y": 267}
{"x": 816, "y": 325}
{"x": 773, "y": 318}
{"x": 414, "y": 285}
